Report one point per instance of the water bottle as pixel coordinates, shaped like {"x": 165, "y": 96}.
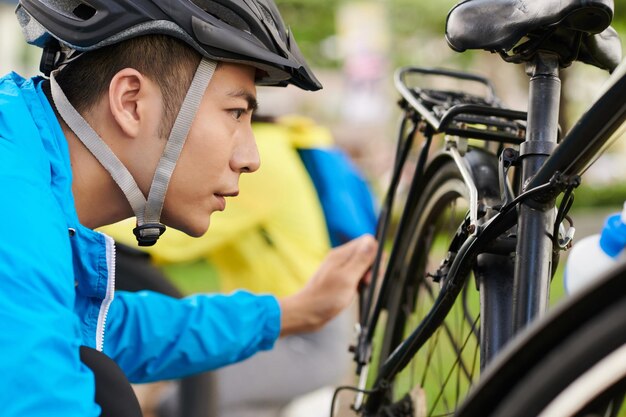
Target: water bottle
{"x": 596, "y": 254}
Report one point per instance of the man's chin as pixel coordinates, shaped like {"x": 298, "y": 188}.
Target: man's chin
{"x": 197, "y": 230}
{"x": 193, "y": 229}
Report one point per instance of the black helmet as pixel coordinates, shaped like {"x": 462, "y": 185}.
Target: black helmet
{"x": 242, "y": 31}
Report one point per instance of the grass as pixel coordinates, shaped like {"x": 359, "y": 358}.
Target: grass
{"x": 193, "y": 277}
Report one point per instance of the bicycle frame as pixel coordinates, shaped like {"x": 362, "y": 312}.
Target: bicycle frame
{"x": 569, "y": 160}
{"x": 547, "y": 168}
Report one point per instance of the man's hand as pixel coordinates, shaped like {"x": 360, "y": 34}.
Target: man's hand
{"x": 331, "y": 289}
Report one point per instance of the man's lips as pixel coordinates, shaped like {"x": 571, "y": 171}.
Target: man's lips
{"x": 221, "y": 199}
{"x": 229, "y": 194}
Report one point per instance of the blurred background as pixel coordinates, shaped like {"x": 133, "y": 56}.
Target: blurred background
{"x": 355, "y": 46}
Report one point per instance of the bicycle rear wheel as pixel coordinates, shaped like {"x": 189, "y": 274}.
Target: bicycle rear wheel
{"x": 585, "y": 376}
{"x": 440, "y": 374}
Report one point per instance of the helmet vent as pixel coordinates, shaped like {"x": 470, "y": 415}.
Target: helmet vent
{"x": 84, "y": 11}
{"x": 266, "y": 13}
{"x": 223, "y": 13}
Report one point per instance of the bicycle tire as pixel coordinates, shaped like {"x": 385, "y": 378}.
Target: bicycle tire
{"x": 570, "y": 348}
{"x": 413, "y": 292}
{"x": 570, "y": 361}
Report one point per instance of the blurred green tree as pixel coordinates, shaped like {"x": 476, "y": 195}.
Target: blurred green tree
{"x": 413, "y": 23}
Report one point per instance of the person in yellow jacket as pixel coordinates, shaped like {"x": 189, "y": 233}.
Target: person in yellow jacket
{"x": 305, "y": 198}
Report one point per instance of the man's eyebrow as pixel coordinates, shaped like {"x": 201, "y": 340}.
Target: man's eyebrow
{"x": 248, "y": 96}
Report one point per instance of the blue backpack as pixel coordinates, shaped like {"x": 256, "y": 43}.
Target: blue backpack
{"x": 346, "y": 199}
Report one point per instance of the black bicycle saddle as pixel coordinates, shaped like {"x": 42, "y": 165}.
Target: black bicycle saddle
{"x": 603, "y": 50}
{"x": 498, "y": 25}
{"x": 572, "y": 29}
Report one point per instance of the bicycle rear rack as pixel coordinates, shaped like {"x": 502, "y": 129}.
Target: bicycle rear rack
{"x": 461, "y": 113}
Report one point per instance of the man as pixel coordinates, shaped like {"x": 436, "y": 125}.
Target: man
{"x": 131, "y": 83}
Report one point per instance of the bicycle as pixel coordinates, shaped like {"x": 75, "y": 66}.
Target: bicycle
{"x": 509, "y": 232}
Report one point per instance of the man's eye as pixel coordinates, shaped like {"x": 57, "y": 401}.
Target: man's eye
{"x": 237, "y": 113}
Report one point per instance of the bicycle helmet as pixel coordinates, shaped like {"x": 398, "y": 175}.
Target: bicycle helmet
{"x": 244, "y": 31}
{"x": 249, "y": 32}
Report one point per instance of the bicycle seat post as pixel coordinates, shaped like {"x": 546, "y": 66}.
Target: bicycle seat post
{"x": 536, "y": 219}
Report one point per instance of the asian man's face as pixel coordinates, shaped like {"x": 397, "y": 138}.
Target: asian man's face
{"x": 219, "y": 148}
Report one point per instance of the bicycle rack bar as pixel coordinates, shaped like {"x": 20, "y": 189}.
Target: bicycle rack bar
{"x": 410, "y": 98}
{"x": 446, "y": 124}
{"x": 401, "y": 86}
{"x": 452, "y": 147}
{"x": 481, "y": 111}
{"x": 402, "y": 72}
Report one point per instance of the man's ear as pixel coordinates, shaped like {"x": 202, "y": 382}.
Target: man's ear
{"x": 127, "y": 91}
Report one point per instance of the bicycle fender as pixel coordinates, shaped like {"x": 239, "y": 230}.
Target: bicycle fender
{"x": 482, "y": 166}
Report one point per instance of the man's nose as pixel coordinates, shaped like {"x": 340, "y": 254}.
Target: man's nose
{"x": 246, "y": 157}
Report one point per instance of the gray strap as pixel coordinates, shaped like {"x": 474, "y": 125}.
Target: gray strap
{"x": 175, "y": 143}
{"x": 97, "y": 147}
{"x": 147, "y": 212}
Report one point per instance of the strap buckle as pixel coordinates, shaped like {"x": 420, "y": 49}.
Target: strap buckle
{"x": 147, "y": 234}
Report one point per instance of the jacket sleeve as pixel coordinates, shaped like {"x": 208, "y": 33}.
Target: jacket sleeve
{"x": 153, "y": 336}
{"x": 39, "y": 337}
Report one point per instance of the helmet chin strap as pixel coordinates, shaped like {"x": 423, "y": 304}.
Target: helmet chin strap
{"x": 148, "y": 212}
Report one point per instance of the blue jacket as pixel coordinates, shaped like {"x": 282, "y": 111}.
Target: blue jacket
{"x": 57, "y": 285}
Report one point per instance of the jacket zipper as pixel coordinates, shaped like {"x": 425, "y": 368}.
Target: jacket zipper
{"x": 110, "y": 292}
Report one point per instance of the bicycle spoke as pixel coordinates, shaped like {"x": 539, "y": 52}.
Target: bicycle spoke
{"x": 431, "y": 343}
{"x": 443, "y": 415}
{"x": 449, "y": 334}
{"x": 457, "y": 360}
{"x": 458, "y": 368}
{"x": 468, "y": 314}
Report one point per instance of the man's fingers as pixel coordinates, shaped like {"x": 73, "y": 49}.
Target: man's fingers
{"x": 363, "y": 254}
{"x": 355, "y": 248}
{"x": 367, "y": 278}
{"x": 346, "y": 250}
